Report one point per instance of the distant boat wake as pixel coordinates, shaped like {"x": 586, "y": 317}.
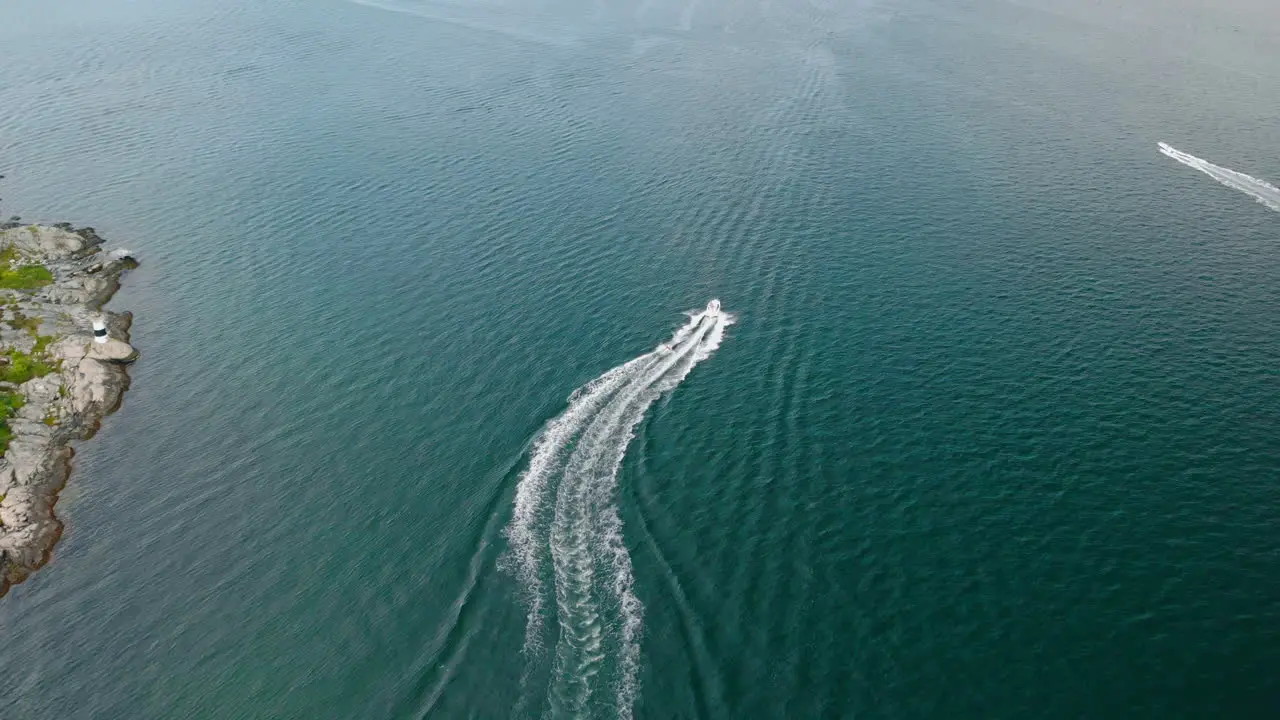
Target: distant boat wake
{"x": 576, "y": 458}
{"x": 483, "y": 17}
{"x": 1261, "y": 190}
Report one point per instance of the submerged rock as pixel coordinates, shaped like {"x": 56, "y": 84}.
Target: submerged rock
{"x": 59, "y": 382}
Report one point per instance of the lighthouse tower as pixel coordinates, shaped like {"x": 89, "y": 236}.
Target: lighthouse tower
{"x": 109, "y": 349}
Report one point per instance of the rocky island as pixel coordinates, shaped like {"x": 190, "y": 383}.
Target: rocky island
{"x": 57, "y": 379}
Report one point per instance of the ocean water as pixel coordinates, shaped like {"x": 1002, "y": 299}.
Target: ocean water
{"x": 988, "y": 428}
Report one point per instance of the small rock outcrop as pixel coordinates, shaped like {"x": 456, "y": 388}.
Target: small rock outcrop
{"x": 113, "y": 350}
{"x": 56, "y": 381}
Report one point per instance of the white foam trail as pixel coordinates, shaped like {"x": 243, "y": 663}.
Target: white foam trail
{"x": 575, "y": 540}
{"x": 1260, "y": 190}
{"x": 545, "y": 460}
{"x": 630, "y": 607}
{"x": 587, "y": 530}
{"x": 595, "y": 598}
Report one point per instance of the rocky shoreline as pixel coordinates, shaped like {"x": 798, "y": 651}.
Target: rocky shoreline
{"x": 56, "y": 382}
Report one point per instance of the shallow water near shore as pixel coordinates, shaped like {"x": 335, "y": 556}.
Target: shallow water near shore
{"x": 993, "y": 434}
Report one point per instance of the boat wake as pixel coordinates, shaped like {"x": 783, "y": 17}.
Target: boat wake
{"x": 1260, "y": 190}
{"x": 566, "y": 513}
{"x": 489, "y": 18}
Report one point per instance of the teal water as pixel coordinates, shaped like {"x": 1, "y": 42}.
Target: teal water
{"x": 993, "y": 434}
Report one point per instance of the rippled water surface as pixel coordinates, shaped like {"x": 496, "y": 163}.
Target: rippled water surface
{"x": 987, "y": 426}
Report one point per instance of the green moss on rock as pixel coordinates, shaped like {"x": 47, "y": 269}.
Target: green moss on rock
{"x": 25, "y": 277}
{"x": 22, "y": 367}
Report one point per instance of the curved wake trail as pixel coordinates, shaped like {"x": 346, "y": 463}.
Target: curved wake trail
{"x": 546, "y": 460}
{"x": 598, "y": 614}
{"x": 1260, "y": 190}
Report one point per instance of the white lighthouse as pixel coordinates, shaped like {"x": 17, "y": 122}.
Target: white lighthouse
{"x": 99, "y": 331}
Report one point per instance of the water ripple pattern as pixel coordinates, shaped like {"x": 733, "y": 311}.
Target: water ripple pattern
{"x": 576, "y": 458}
